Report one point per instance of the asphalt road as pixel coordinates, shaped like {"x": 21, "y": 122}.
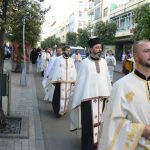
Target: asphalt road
{"x": 56, "y": 131}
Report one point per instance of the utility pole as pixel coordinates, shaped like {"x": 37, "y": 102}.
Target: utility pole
{"x": 23, "y": 80}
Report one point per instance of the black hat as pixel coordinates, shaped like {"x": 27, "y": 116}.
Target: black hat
{"x": 93, "y": 42}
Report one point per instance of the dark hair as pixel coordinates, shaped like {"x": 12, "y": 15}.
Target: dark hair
{"x": 58, "y": 47}
{"x": 66, "y": 47}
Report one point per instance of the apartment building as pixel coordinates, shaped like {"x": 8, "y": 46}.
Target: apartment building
{"x": 123, "y": 16}
{"x": 120, "y": 11}
{"x": 76, "y": 18}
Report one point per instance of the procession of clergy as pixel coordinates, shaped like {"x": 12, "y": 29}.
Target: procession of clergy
{"x": 110, "y": 118}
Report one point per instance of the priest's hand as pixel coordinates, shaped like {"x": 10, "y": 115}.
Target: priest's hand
{"x": 146, "y": 132}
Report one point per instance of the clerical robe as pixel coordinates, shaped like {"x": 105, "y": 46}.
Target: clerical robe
{"x": 126, "y": 115}
{"x": 48, "y": 87}
{"x": 43, "y": 60}
{"x": 92, "y": 91}
{"x": 63, "y": 77}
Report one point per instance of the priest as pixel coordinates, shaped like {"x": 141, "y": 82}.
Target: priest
{"x": 63, "y": 77}
{"x": 48, "y": 87}
{"x": 126, "y": 119}
{"x": 92, "y": 91}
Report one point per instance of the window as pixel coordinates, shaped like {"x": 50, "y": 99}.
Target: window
{"x": 124, "y": 21}
{"x": 96, "y": 2}
{"x": 105, "y": 12}
{"x": 97, "y": 13}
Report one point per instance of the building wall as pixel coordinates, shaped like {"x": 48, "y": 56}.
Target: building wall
{"x": 121, "y": 11}
{"x": 77, "y": 18}
{"x": 123, "y": 16}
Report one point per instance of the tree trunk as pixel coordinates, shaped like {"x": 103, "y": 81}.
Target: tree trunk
{"x": 2, "y": 35}
{"x": 2, "y": 116}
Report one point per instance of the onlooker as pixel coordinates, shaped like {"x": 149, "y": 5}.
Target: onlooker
{"x": 77, "y": 59}
{"x": 111, "y": 62}
{"x": 127, "y": 65}
{"x": 7, "y": 52}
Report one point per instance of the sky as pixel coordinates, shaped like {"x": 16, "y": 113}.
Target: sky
{"x": 59, "y": 9}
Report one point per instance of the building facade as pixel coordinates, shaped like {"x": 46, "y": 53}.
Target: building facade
{"x": 123, "y": 15}
{"x": 77, "y": 18}
{"x": 120, "y": 11}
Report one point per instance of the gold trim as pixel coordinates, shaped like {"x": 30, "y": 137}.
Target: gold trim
{"x": 140, "y": 131}
{"x": 145, "y": 82}
{"x": 66, "y": 85}
{"x": 129, "y": 96}
{"x": 116, "y": 134}
{"x": 147, "y": 93}
{"x": 66, "y": 69}
{"x": 89, "y": 99}
{"x": 97, "y": 65}
{"x": 61, "y": 81}
{"x": 133, "y": 136}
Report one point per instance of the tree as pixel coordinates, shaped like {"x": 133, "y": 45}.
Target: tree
{"x": 83, "y": 37}
{"x": 30, "y": 14}
{"x": 142, "y": 23}
{"x": 7, "y": 8}
{"x": 33, "y": 21}
{"x": 71, "y": 38}
{"x": 50, "y": 42}
{"x": 3, "y": 16}
{"x": 106, "y": 31}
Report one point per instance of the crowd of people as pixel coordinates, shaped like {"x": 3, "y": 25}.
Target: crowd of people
{"x": 111, "y": 116}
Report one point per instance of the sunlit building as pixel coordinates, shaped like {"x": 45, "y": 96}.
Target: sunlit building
{"x": 120, "y": 11}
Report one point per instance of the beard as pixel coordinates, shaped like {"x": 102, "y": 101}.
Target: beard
{"x": 66, "y": 55}
{"x": 97, "y": 55}
{"x": 144, "y": 63}
{"x": 58, "y": 54}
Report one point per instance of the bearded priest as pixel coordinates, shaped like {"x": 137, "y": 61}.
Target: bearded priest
{"x": 92, "y": 91}
{"x": 63, "y": 77}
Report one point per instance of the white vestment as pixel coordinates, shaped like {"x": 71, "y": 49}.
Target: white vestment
{"x": 48, "y": 87}
{"x": 90, "y": 85}
{"x": 111, "y": 62}
{"x": 50, "y": 64}
{"x": 64, "y": 72}
{"x": 77, "y": 60}
{"x": 126, "y": 115}
{"x": 43, "y": 60}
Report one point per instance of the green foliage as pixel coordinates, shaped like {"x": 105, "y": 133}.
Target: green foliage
{"x": 71, "y": 38}
{"x": 34, "y": 18}
{"x": 50, "y": 42}
{"x": 142, "y": 23}
{"x": 106, "y": 31}
{"x": 83, "y": 37}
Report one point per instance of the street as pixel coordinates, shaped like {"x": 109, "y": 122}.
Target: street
{"x": 56, "y": 131}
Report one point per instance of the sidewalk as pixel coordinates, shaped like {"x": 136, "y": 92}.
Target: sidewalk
{"x": 24, "y": 103}
{"x": 118, "y": 67}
